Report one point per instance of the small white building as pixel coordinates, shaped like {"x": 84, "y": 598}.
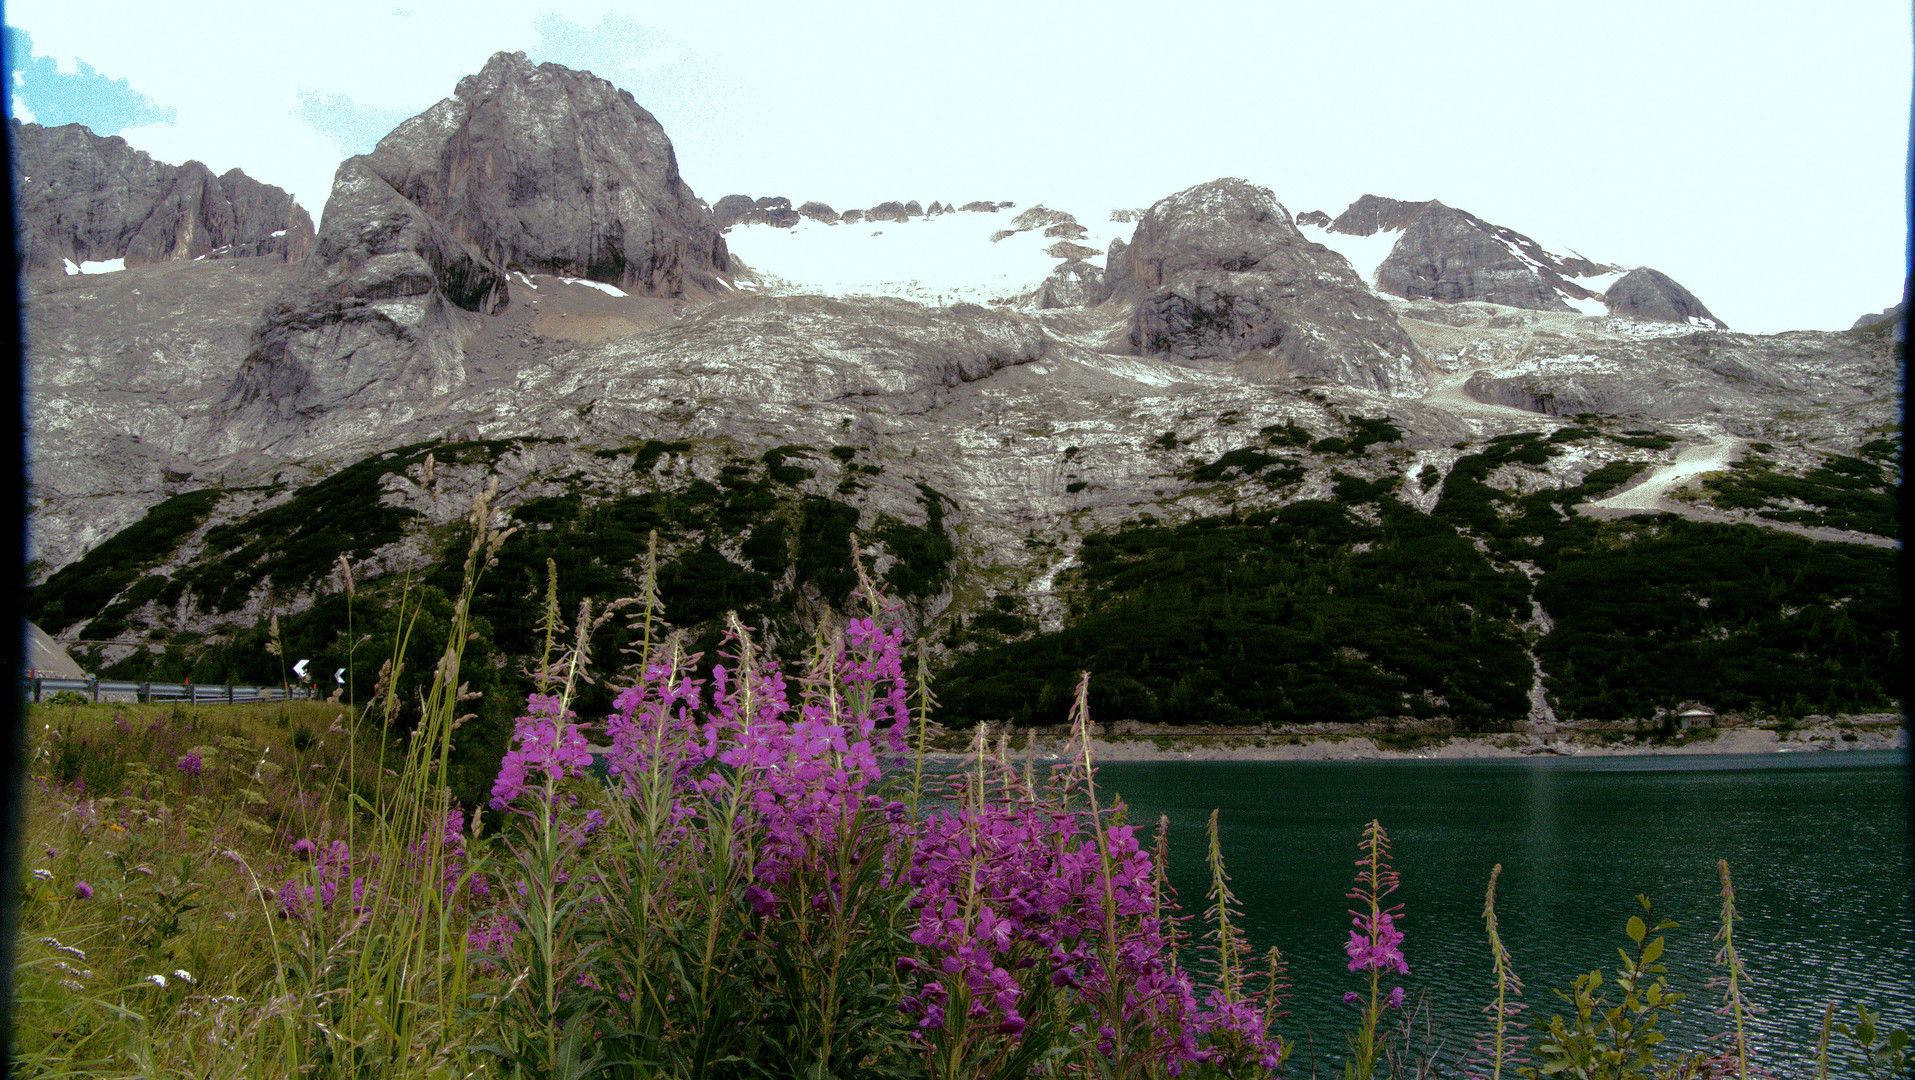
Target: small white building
{"x": 1692, "y": 715}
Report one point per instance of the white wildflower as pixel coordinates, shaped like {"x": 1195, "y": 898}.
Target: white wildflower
{"x": 157, "y": 980}
{"x": 184, "y": 976}
{"x": 43, "y": 874}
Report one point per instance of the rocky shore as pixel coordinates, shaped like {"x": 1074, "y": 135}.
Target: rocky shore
{"x": 1875, "y": 732}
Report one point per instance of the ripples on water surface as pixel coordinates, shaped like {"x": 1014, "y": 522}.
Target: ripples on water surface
{"x": 1817, "y": 846}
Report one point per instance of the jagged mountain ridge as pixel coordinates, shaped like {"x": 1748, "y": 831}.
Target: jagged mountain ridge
{"x": 1037, "y": 421}
{"x": 1442, "y": 253}
{"x": 80, "y": 198}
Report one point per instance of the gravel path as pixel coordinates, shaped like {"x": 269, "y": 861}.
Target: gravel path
{"x": 1692, "y": 461}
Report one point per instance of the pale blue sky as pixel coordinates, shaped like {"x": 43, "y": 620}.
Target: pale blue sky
{"x": 1752, "y": 152}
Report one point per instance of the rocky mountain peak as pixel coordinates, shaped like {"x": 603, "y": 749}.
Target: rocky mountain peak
{"x": 1220, "y": 271}
{"x": 85, "y": 198}
{"x": 544, "y": 169}
{"x": 1651, "y": 294}
{"x": 1450, "y": 255}
{"x": 1372, "y": 214}
{"x": 524, "y": 169}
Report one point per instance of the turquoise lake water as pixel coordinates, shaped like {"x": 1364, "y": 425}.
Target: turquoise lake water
{"x": 1818, "y": 846}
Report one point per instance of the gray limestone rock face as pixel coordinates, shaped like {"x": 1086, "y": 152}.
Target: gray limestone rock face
{"x": 548, "y": 170}
{"x": 124, "y": 375}
{"x": 538, "y": 170}
{"x": 731, "y": 210}
{"x": 1220, "y": 272}
{"x": 852, "y": 216}
{"x": 1314, "y": 217}
{"x": 1643, "y": 293}
{"x": 888, "y": 211}
{"x": 1371, "y": 214}
{"x": 1040, "y": 217}
{"x": 1783, "y": 387}
{"x": 374, "y": 323}
{"x": 86, "y": 198}
{"x": 1451, "y": 255}
{"x": 1116, "y": 271}
{"x": 882, "y": 354}
{"x": 818, "y": 211}
{"x": 1072, "y": 283}
{"x": 269, "y": 221}
{"x": 776, "y": 211}
{"x": 1890, "y": 314}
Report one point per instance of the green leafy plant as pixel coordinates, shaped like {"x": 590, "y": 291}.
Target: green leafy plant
{"x": 1603, "y": 1041}
{"x": 1874, "y": 1051}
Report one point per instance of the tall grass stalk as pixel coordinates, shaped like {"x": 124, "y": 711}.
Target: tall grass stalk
{"x": 386, "y": 969}
{"x": 1503, "y": 1045}
{"x": 1733, "y": 977}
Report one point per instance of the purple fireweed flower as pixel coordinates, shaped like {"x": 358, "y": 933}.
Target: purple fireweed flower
{"x": 1376, "y": 947}
{"x": 189, "y": 763}
{"x": 544, "y": 741}
{"x": 82, "y": 890}
{"x": 304, "y": 848}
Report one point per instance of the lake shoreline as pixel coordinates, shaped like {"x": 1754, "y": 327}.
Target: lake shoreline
{"x": 1880, "y": 734}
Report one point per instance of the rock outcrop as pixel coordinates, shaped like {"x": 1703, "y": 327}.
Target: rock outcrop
{"x": 1072, "y": 283}
{"x": 84, "y": 198}
{"x": 1452, "y": 255}
{"x": 731, "y": 210}
{"x": 544, "y": 169}
{"x": 1372, "y": 214}
{"x": 535, "y": 170}
{"x": 773, "y": 210}
{"x": 1643, "y": 293}
{"x": 1220, "y": 272}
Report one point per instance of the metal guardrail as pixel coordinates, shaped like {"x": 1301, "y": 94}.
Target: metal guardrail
{"x": 39, "y": 686}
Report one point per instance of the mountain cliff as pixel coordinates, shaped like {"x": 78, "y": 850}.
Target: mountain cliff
{"x": 524, "y": 169}
{"x": 81, "y": 198}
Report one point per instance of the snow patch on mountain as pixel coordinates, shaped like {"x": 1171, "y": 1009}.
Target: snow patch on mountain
{"x": 1365, "y": 253}
{"x": 944, "y": 259}
{"x": 609, "y": 290}
{"x": 103, "y": 266}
